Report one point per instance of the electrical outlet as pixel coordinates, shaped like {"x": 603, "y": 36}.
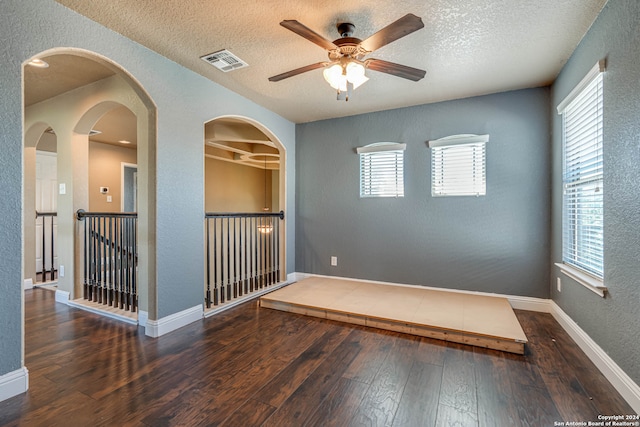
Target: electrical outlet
{"x": 334, "y": 261}
{"x": 559, "y": 284}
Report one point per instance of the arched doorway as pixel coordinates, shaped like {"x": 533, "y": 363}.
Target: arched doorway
{"x": 40, "y": 171}
{"x": 72, "y": 95}
{"x": 245, "y": 200}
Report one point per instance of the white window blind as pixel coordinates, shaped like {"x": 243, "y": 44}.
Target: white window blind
{"x": 382, "y": 170}
{"x": 582, "y": 208}
{"x": 458, "y": 165}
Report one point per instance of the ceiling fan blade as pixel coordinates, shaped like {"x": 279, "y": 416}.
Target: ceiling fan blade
{"x": 392, "y": 32}
{"x": 297, "y": 71}
{"x": 308, "y": 34}
{"x": 398, "y": 70}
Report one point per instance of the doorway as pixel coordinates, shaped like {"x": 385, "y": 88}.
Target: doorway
{"x": 129, "y": 182}
{"x": 46, "y": 218}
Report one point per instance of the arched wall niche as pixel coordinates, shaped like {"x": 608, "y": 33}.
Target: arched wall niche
{"x": 282, "y": 169}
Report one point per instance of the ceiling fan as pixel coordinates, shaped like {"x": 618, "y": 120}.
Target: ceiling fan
{"x": 345, "y": 69}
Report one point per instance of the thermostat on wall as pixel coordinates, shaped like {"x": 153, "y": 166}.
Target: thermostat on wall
{"x": 104, "y": 190}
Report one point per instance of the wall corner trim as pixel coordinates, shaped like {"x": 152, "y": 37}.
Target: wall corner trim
{"x": 62, "y": 296}
{"x": 629, "y": 390}
{"x": 156, "y": 328}
{"x": 14, "y": 383}
{"x": 143, "y": 318}
{"x": 297, "y": 276}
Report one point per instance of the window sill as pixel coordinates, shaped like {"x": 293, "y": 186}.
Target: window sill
{"x": 593, "y": 284}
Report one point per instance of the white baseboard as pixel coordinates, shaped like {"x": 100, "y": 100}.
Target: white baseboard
{"x": 143, "y": 317}
{"x": 629, "y": 390}
{"x": 156, "y": 328}
{"x": 294, "y": 277}
{"x": 529, "y": 303}
{"x": 28, "y": 284}
{"x": 104, "y": 313}
{"x": 14, "y": 383}
{"x": 62, "y": 296}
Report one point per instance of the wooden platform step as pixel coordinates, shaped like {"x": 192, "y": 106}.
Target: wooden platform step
{"x": 476, "y": 320}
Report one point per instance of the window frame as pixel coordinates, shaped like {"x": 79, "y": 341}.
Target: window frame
{"x": 583, "y": 181}
{"x": 471, "y": 181}
{"x": 382, "y": 152}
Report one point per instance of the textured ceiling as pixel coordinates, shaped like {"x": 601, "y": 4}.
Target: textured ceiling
{"x": 65, "y": 73}
{"x": 467, "y": 47}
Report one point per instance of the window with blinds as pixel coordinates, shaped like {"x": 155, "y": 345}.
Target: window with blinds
{"x": 382, "y": 170}
{"x": 458, "y": 165}
{"x": 582, "y": 207}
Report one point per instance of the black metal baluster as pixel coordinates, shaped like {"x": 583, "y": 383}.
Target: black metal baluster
{"x": 53, "y": 274}
{"x": 85, "y": 250}
{"x": 110, "y": 265}
{"x": 127, "y": 303}
{"x": 120, "y": 259}
{"x": 246, "y": 255}
{"x": 207, "y": 294}
{"x": 235, "y": 259}
{"x": 223, "y": 262}
{"x": 134, "y": 272}
{"x": 278, "y": 273}
{"x": 265, "y": 250}
{"x": 215, "y": 263}
{"x": 240, "y": 250}
{"x": 228, "y": 259}
{"x": 271, "y": 258}
{"x": 105, "y": 279}
{"x": 92, "y": 269}
{"x": 261, "y": 269}
{"x": 252, "y": 257}
{"x": 99, "y": 259}
{"x": 120, "y": 276}
{"x": 44, "y": 245}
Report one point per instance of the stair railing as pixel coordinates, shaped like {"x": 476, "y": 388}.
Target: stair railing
{"x": 242, "y": 254}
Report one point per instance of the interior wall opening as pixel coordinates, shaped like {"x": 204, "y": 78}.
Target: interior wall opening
{"x": 244, "y": 209}
{"x": 103, "y": 127}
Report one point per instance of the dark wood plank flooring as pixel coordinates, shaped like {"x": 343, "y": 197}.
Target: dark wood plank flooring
{"x": 252, "y": 366}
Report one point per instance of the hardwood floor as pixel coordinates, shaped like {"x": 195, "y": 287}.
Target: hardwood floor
{"x": 252, "y": 366}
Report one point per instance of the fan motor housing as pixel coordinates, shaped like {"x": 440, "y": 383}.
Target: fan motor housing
{"x": 345, "y": 29}
{"x": 347, "y": 46}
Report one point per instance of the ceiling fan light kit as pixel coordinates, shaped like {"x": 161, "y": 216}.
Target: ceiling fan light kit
{"x": 346, "y": 69}
{"x": 345, "y": 76}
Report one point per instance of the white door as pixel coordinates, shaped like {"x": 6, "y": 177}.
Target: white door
{"x": 46, "y": 201}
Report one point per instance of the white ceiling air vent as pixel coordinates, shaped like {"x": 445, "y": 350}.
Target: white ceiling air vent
{"x": 224, "y": 60}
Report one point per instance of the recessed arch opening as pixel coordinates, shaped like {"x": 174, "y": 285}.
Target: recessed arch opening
{"x": 245, "y": 174}
{"x": 68, "y": 98}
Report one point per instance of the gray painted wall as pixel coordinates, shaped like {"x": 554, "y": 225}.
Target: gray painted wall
{"x": 184, "y": 100}
{"x": 11, "y": 205}
{"x": 496, "y": 243}
{"x": 613, "y": 322}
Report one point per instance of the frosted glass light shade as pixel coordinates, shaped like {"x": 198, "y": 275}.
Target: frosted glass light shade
{"x": 337, "y": 76}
